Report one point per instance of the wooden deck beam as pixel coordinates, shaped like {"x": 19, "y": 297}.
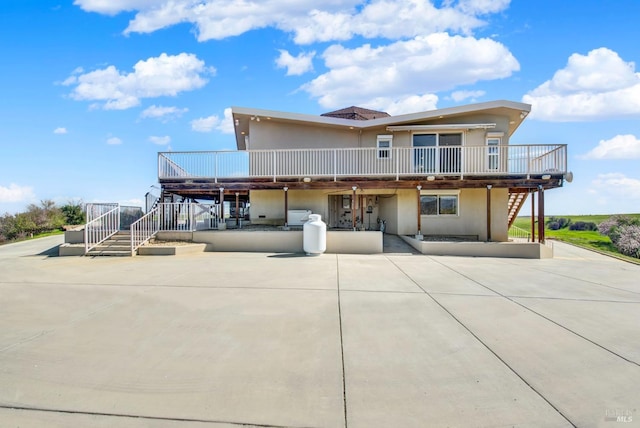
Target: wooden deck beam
{"x": 205, "y": 188}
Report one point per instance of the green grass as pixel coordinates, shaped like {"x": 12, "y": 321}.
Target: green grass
{"x": 39, "y": 235}
{"x": 587, "y": 239}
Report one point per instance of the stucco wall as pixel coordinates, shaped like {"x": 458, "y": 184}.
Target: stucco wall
{"x": 270, "y": 204}
{"x": 472, "y": 218}
{"x": 398, "y": 208}
{"x": 268, "y": 135}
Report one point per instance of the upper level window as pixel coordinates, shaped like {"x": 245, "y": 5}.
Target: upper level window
{"x": 384, "y": 144}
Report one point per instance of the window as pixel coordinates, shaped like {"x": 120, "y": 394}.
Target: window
{"x": 384, "y": 144}
{"x": 493, "y": 153}
{"x": 439, "y": 204}
{"x": 437, "y": 153}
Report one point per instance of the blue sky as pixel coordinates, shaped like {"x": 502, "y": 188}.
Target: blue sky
{"x": 91, "y": 90}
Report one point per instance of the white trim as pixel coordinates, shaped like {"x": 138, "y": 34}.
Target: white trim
{"x": 457, "y": 126}
{"x": 495, "y": 134}
{"x": 440, "y": 192}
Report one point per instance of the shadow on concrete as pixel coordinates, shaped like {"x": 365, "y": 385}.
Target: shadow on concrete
{"x": 50, "y": 252}
{"x": 288, "y": 255}
{"x": 393, "y": 244}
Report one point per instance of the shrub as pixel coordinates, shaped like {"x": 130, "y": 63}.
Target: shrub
{"x": 624, "y": 232}
{"x": 555, "y": 223}
{"x": 611, "y": 226}
{"x": 583, "y": 225}
{"x": 629, "y": 240}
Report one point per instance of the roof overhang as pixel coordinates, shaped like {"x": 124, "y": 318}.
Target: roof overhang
{"x": 457, "y": 126}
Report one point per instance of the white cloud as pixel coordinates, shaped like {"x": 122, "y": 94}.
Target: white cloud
{"x": 60, "y": 130}
{"x": 308, "y": 20}
{"x": 208, "y": 124}
{"x": 205, "y": 124}
{"x": 422, "y": 65}
{"x": 458, "y": 96}
{"x": 165, "y": 75}
{"x": 619, "y": 147}
{"x": 162, "y": 113}
{"x": 617, "y": 184}
{"x": 112, "y": 7}
{"x": 226, "y": 124}
{"x": 295, "y": 65}
{"x": 15, "y": 193}
{"x": 409, "y": 104}
{"x": 161, "y": 141}
{"x": 114, "y": 141}
{"x": 598, "y": 85}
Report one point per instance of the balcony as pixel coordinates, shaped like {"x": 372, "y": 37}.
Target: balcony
{"x": 358, "y": 163}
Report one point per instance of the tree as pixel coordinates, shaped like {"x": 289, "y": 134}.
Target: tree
{"x": 74, "y": 212}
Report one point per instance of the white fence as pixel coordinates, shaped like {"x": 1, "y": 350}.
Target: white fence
{"x": 519, "y": 234}
{"x": 103, "y": 221}
{"x": 175, "y": 217}
{"x": 394, "y": 162}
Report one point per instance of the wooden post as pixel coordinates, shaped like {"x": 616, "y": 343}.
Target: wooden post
{"x": 353, "y": 208}
{"x": 222, "y": 204}
{"x": 286, "y": 206}
{"x": 418, "y": 188}
{"x": 237, "y": 209}
{"x": 489, "y": 212}
{"x": 533, "y": 215}
{"x": 541, "y": 214}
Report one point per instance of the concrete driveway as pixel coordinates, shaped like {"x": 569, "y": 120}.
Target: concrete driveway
{"x": 281, "y": 340}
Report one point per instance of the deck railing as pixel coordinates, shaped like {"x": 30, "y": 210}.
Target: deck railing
{"x": 144, "y": 229}
{"x": 103, "y": 221}
{"x": 389, "y": 162}
{"x": 520, "y": 234}
{"x": 173, "y": 217}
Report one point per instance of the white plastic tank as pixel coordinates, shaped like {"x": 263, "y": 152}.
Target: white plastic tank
{"x": 314, "y": 236}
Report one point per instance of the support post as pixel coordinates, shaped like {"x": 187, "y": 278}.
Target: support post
{"x": 361, "y": 199}
{"x": 419, "y": 235}
{"x": 533, "y": 215}
{"x": 222, "y": 225}
{"x": 353, "y": 208}
{"x": 541, "y": 214}
{"x": 286, "y": 208}
{"x": 237, "y": 209}
{"x": 489, "y": 213}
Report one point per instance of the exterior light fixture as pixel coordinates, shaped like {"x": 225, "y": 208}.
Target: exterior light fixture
{"x": 546, "y": 176}
{"x": 285, "y": 188}
{"x": 307, "y": 179}
{"x": 431, "y": 177}
{"x": 237, "y": 122}
{"x": 419, "y": 187}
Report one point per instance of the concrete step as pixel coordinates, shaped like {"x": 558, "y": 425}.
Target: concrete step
{"x": 115, "y": 253}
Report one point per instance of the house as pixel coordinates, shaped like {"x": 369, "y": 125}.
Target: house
{"x": 451, "y": 172}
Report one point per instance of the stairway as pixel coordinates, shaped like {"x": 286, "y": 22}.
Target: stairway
{"x": 117, "y": 245}
{"x": 517, "y": 197}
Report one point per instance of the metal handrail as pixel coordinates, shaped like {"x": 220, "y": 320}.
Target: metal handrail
{"x": 101, "y": 228}
{"x": 519, "y": 233}
{"x": 145, "y": 228}
{"x": 175, "y": 217}
{"x": 395, "y": 162}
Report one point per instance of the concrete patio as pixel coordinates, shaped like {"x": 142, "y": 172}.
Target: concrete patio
{"x": 283, "y": 340}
